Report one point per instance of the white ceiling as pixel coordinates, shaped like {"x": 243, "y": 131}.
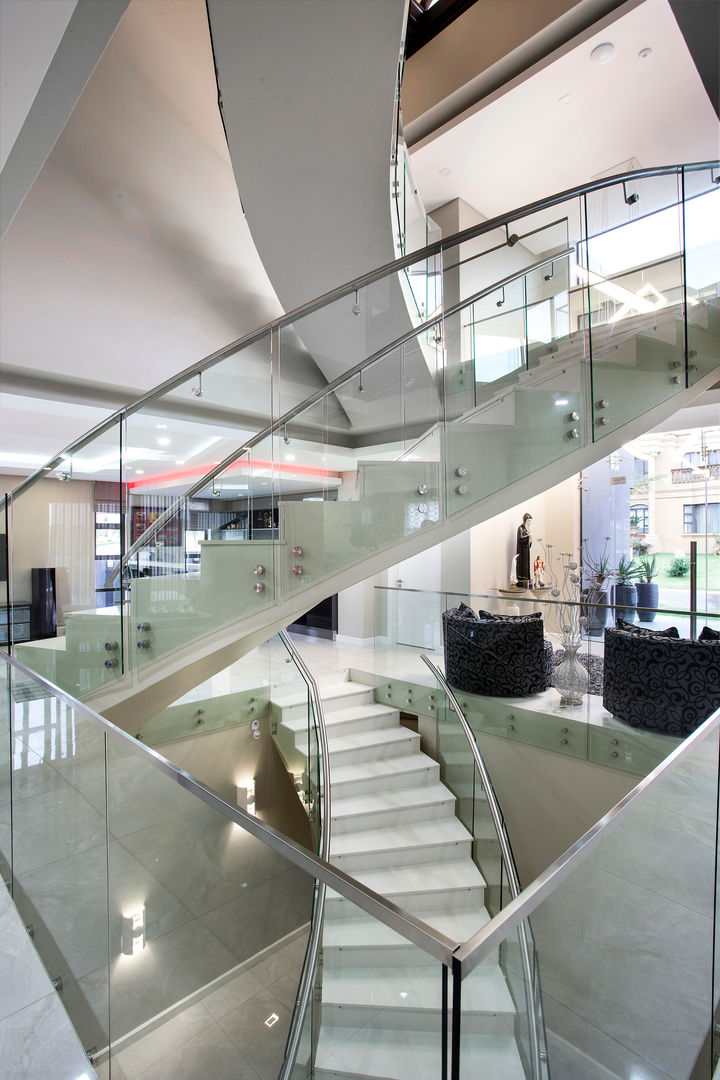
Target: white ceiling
{"x": 572, "y": 120}
{"x": 131, "y": 257}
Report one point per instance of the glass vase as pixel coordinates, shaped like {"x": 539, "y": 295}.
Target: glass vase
{"x": 570, "y": 677}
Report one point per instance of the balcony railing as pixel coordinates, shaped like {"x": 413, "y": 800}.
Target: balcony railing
{"x": 695, "y": 475}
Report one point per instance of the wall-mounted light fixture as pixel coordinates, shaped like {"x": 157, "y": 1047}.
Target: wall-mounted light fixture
{"x": 246, "y": 795}
{"x": 133, "y": 932}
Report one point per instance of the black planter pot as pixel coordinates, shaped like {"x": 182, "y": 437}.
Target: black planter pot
{"x": 647, "y": 597}
{"x": 625, "y": 602}
{"x": 597, "y": 616}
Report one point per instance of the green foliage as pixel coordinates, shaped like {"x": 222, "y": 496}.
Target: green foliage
{"x": 679, "y": 567}
{"x": 649, "y": 568}
{"x": 599, "y": 568}
{"x": 640, "y": 547}
{"x": 627, "y": 571}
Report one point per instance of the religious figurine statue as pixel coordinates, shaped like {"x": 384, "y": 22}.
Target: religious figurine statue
{"x": 524, "y": 540}
{"x": 539, "y": 572}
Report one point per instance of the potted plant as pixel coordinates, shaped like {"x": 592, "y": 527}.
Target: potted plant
{"x": 647, "y": 590}
{"x": 596, "y": 596}
{"x": 626, "y": 574}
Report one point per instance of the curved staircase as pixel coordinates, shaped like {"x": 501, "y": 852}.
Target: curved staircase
{"x": 394, "y": 828}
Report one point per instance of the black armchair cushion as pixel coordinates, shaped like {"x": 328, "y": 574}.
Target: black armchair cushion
{"x": 708, "y": 634}
{"x": 660, "y": 683}
{"x": 502, "y": 656}
{"x": 642, "y": 631}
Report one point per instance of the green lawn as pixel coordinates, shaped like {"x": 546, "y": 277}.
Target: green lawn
{"x": 666, "y": 582}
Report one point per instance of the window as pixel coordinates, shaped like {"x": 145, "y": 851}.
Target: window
{"x": 701, "y": 517}
{"x": 641, "y": 468}
{"x": 107, "y": 534}
{"x": 639, "y": 517}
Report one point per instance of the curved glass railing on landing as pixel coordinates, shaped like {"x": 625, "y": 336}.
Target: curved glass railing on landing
{"x": 227, "y": 495}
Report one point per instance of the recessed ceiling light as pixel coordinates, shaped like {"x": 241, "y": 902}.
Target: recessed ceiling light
{"x": 161, "y": 427}
{"x": 445, "y": 171}
{"x": 601, "y": 54}
{"x": 140, "y": 472}
{"x": 644, "y": 53}
{"x": 289, "y": 457}
{"x": 163, "y": 441}
{"x": 565, "y": 99}
{"x": 272, "y": 1020}
{"x": 179, "y": 462}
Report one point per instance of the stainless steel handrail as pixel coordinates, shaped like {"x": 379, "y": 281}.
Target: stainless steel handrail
{"x": 311, "y": 954}
{"x": 340, "y": 291}
{"x": 481, "y": 944}
{"x": 428, "y": 939}
{"x": 508, "y": 862}
{"x": 282, "y": 421}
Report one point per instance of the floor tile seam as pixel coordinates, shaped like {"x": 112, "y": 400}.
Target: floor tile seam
{"x": 161, "y": 886}
{"x": 28, "y": 1005}
{"x": 41, "y": 997}
{"x": 153, "y": 1068}
{"x": 19, "y": 874}
{"x": 243, "y": 967}
{"x": 647, "y": 888}
{"x": 613, "y": 1038}
{"x": 177, "y": 1043}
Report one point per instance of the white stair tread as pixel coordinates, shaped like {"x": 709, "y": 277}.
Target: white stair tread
{"x": 343, "y": 716}
{"x": 400, "y": 798}
{"x": 443, "y": 877}
{"x": 361, "y": 740}
{"x": 413, "y": 1055}
{"x": 366, "y": 932}
{"x": 388, "y": 767}
{"x": 286, "y": 697}
{"x": 484, "y": 990}
{"x": 412, "y": 835}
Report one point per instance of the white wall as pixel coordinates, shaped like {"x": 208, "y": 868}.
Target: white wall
{"x": 53, "y": 525}
{"x": 556, "y": 520}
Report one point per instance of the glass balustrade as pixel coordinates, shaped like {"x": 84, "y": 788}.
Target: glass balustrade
{"x": 623, "y": 927}
{"x": 701, "y": 221}
{"x": 358, "y": 422}
{"x": 179, "y": 924}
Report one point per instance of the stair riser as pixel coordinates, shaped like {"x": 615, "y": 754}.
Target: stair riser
{"x": 370, "y": 785}
{"x": 409, "y": 1019}
{"x": 469, "y": 899}
{"x": 427, "y": 854}
{"x": 405, "y": 815}
{"x": 339, "y": 727}
{"x": 397, "y": 748}
{"x": 292, "y": 712}
{"x": 345, "y": 958}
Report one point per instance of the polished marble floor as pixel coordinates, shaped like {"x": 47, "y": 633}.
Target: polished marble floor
{"x": 37, "y": 1040}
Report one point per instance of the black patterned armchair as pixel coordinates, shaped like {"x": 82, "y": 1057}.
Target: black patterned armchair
{"x": 667, "y": 684}
{"x": 496, "y": 655}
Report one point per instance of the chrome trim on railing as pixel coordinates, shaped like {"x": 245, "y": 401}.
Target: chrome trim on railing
{"x": 311, "y": 954}
{"x": 431, "y": 941}
{"x": 347, "y": 376}
{"x": 508, "y": 862}
{"x": 345, "y": 290}
{"x": 476, "y": 948}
